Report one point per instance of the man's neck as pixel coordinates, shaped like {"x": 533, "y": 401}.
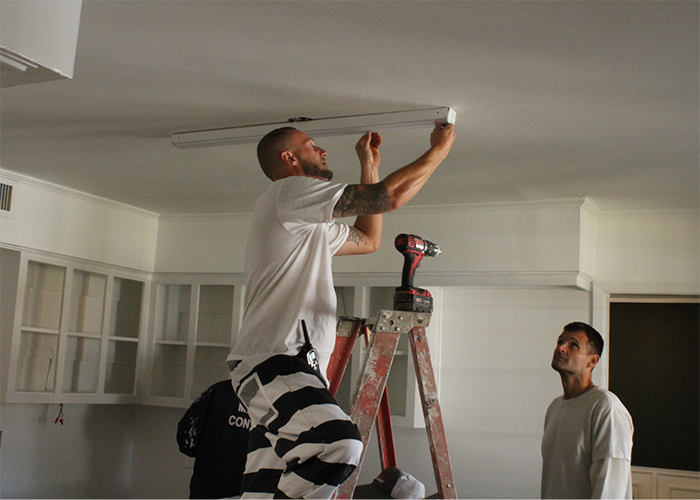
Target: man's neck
{"x": 575, "y": 386}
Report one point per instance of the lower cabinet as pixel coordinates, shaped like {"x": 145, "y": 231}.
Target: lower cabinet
{"x": 71, "y": 330}
{"x": 663, "y": 483}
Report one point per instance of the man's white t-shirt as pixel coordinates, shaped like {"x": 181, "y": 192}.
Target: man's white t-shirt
{"x": 593, "y": 428}
{"x": 293, "y": 238}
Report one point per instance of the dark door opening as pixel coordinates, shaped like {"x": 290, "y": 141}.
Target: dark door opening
{"x": 654, "y": 369}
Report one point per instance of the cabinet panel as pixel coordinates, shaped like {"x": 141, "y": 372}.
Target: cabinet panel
{"x": 209, "y": 367}
{"x": 82, "y": 365}
{"x": 651, "y": 482}
{"x": 36, "y": 364}
{"x": 43, "y": 297}
{"x": 173, "y": 311}
{"x": 120, "y": 377}
{"x": 169, "y": 363}
{"x": 214, "y": 320}
{"x": 642, "y": 484}
{"x": 126, "y": 308}
{"x": 678, "y": 485}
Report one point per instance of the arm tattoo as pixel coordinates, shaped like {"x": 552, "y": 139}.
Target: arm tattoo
{"x": 355, "y": 236}
{"x": 363, "y": 199}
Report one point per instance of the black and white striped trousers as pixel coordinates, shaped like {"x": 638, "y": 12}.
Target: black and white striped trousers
{"x": 302, "y": 444}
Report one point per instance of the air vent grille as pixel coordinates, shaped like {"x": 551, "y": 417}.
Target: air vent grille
{"x": 5, "y": 197}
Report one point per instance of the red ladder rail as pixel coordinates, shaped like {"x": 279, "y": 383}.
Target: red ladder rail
{"x": 370, "y": 402}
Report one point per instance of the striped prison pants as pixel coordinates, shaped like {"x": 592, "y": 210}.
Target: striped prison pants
{"x": 301, "y": 445}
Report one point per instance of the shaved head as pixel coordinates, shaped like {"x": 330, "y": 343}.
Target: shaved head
{"x": 289, "y": 151}
{"x": 271, "y": 147}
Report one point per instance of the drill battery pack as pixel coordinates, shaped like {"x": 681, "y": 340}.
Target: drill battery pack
{"x": 413, "y": 299}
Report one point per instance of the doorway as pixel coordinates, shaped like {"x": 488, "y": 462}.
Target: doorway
{"x": 654, "y": 368}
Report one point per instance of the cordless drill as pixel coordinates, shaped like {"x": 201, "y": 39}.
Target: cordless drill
{"x": 407, "y": 297}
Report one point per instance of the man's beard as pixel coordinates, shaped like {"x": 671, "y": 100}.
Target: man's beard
{"x": 314, "y": 170}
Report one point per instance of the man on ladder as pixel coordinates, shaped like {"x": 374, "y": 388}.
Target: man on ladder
{"x": 302, "y": 444}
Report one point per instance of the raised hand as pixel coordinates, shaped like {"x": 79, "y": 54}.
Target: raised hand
{"x": 442, "y": 138}
{"x": 367, "y": 149}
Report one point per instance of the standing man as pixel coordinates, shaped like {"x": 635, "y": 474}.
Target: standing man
{"x": 302, "y": 444}
{"x": 587, "y": 443}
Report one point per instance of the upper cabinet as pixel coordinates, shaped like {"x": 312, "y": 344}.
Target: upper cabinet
{"x": 76, "y": 331}
{"x": 195, "y": 323}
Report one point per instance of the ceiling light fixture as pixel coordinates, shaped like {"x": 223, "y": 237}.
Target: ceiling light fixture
{"x": 322, "y": 127}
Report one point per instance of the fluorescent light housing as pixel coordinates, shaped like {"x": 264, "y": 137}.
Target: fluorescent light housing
{"x": 322, "y": 127}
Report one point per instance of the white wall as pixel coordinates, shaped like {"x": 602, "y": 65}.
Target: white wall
{"x": 524, "y": 243}
{"x": 62, "y": 221}
{"x": 158, "y": 469}
{"x": 525, "y": 264}
{"x": 89, "y": 456}
{"x": 512, "y": 276}
{"x": 521, "y": 239}
{"x": 497, "y": 382}
{"x": 202, "y": 243}
{"x": 649, "y": 252}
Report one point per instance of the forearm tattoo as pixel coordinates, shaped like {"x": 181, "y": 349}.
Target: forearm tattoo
{"x": 355, "y": 236}
{"x": 363, "y": 199}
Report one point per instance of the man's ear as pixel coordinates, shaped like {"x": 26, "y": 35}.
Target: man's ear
{"x": 593, "y": 360}
{"x": 288, "y": 158}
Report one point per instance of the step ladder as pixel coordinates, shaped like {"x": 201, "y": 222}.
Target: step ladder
{"x": 370, "y": 402}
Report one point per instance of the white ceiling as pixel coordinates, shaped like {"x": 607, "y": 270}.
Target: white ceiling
{"x": 555, "y": 99}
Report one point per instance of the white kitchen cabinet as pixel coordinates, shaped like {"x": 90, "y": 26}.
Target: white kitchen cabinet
{"x": 76, "y": 330}
{"x": 195, "y": 322}
{"x": 196, "y": 318}
{"x": 79, "y": 332}
{"x": 648, "y": 482}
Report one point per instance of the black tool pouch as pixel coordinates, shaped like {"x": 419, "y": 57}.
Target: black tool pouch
{"x": 309, "y": 353}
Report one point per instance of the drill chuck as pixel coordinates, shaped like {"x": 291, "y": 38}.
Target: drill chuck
{"x": 411, "y": 242}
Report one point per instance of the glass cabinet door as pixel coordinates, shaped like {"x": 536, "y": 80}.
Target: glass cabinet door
{"x": 173, "y": 304}
{"x": 215, "y": 314}
{"x": 214, "y": 323}
{"x": 82, "y": 359}
{"x": 124, "y": 326}
{"x": 195, "y": 326}
{"x": 41, "y": 322}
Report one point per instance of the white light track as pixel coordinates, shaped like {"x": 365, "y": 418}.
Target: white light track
{"x": 322, "y": 127}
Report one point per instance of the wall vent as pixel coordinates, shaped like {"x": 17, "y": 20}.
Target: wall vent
{"x": 5, "y": 197}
